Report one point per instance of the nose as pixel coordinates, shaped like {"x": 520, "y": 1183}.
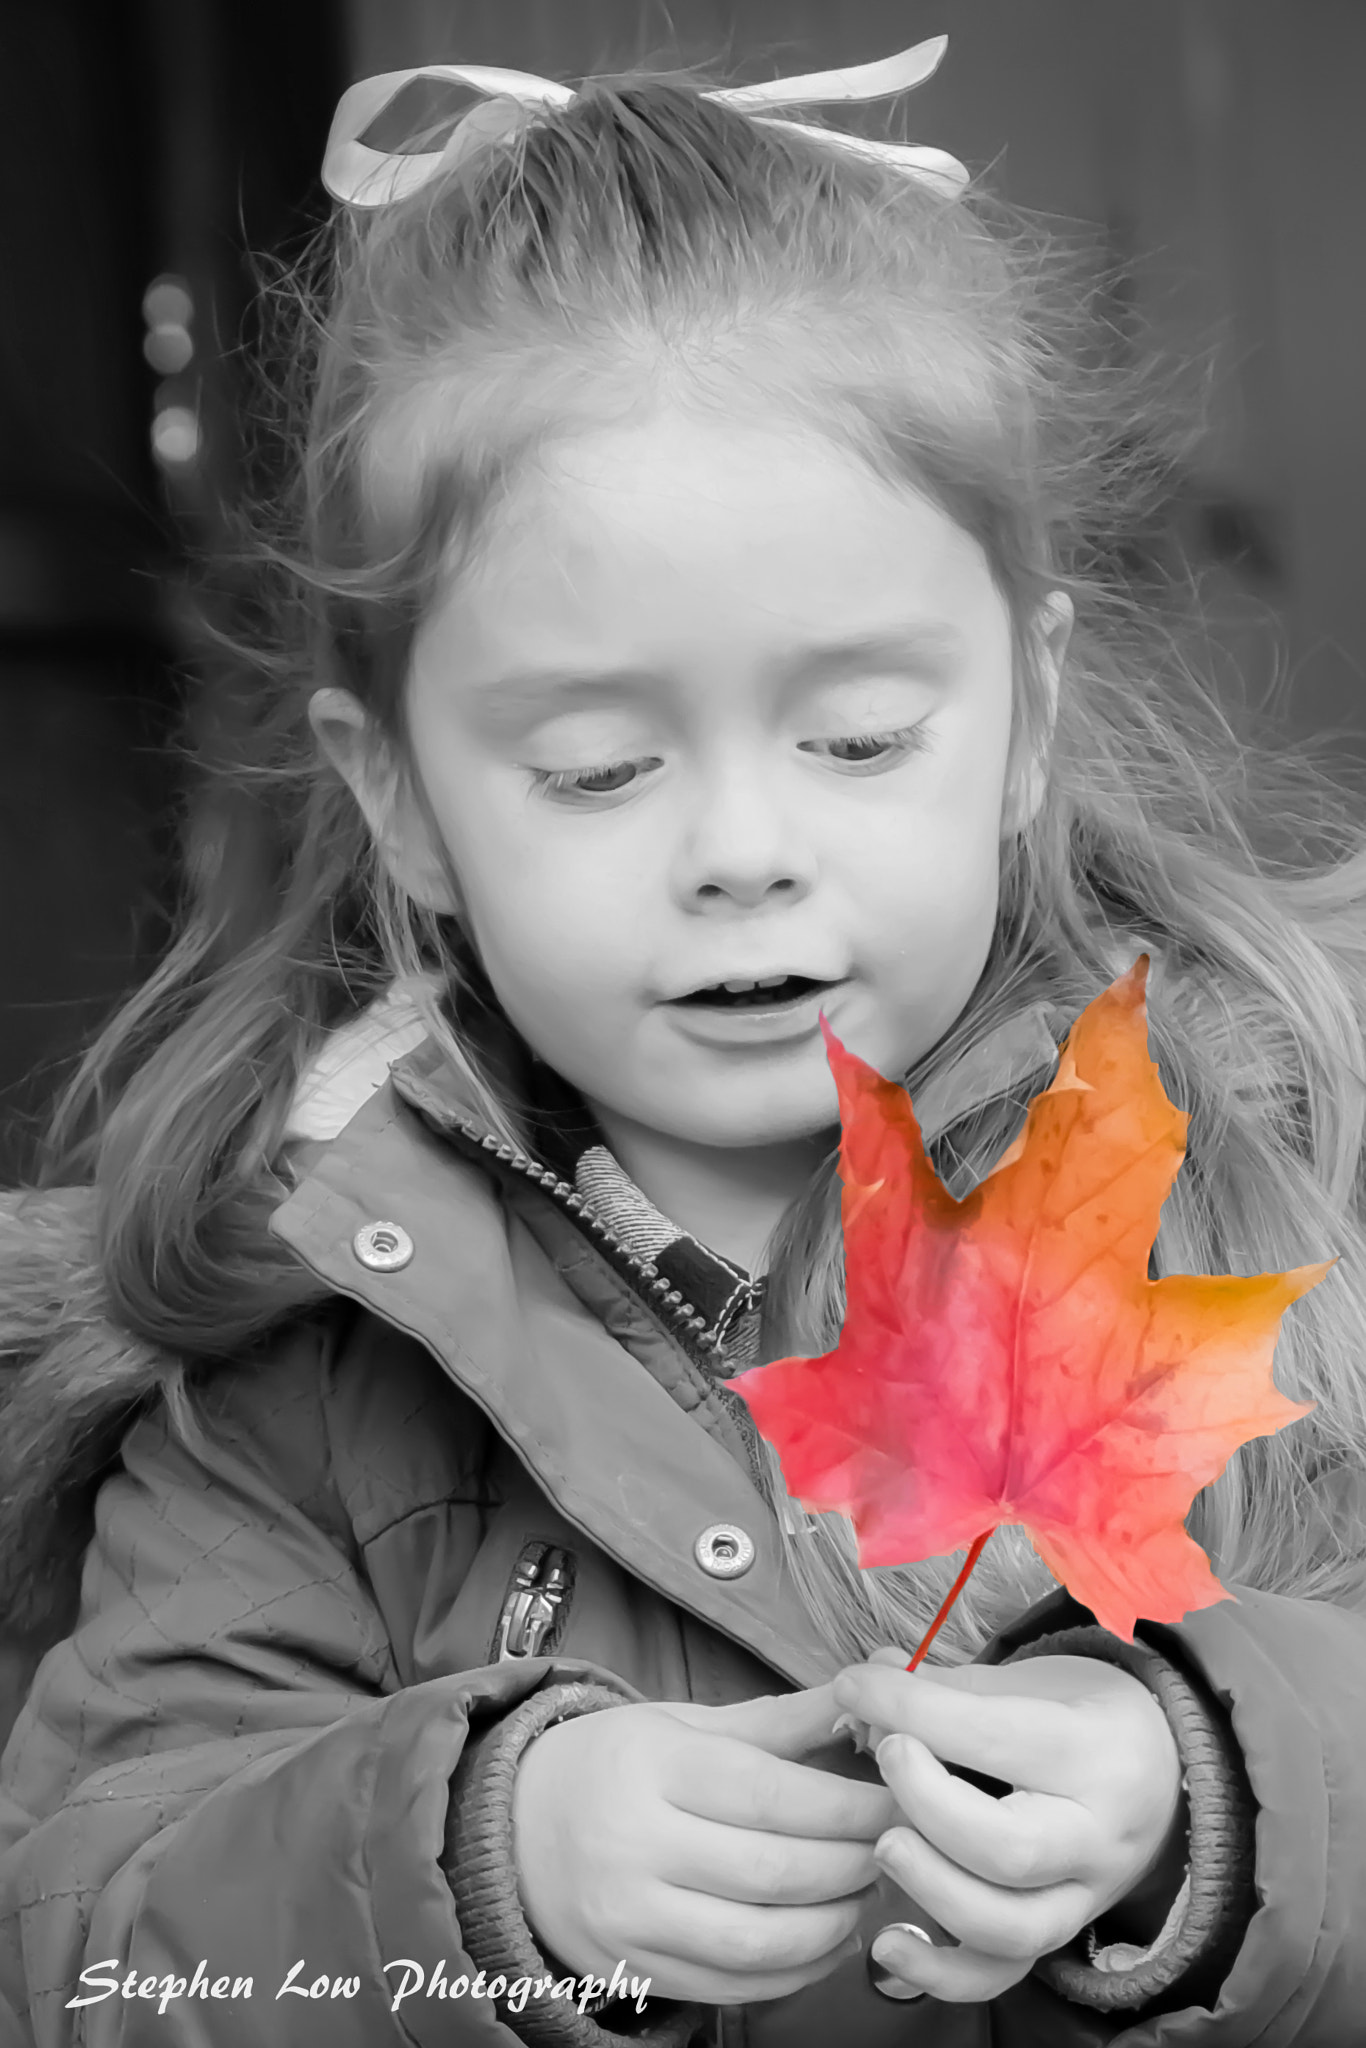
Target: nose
{"x": 742, "y": 843}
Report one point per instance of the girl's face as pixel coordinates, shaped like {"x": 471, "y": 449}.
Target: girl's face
{"x": 719, "y": 705}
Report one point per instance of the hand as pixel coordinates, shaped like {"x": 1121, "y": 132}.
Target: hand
{"x": 1097, "y": 1793}
{"x": 688, "y": 1843}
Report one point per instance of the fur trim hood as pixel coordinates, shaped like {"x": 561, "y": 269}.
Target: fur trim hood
{"x": 70, "y": 1381}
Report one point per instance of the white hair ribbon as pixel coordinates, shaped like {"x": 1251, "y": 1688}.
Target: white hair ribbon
{"x": 361, "y": 176}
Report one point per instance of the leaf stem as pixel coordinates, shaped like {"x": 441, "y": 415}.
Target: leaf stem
{"x": 954, "y": 1590}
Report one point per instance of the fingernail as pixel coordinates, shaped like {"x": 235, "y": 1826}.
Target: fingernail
{"x": 858, "y": 1732}
{"x": 885, "y": 1752}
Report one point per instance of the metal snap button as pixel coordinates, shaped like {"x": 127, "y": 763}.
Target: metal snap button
{"x": 884, "y": 1980}
{"x": 725, "y": 1550}
{"x": 383, "y": 1247}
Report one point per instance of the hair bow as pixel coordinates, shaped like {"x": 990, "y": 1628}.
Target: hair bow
{"x": 360, "y": 175}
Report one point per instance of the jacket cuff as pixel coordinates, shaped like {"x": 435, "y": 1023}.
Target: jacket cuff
{"x": 1204, "y": 1930}
{"x": 481, "y": 1869}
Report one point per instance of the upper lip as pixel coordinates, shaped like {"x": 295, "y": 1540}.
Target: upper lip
{"x": 753, "y": 974}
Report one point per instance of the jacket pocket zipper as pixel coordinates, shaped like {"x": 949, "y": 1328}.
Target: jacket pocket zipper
{"x": 536, "y": 1602}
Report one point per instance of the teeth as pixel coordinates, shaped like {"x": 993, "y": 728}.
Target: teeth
{"x": 773, "y": 981}
{"x": 736, "y": 988}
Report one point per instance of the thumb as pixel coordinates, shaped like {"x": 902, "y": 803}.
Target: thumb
{"x": 866, "y": 1735}
{"x": 785, "y": 1724}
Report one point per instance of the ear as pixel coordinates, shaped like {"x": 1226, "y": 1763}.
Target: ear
{"x": 366, "y": 762}
{"x": 1050, "y": 631}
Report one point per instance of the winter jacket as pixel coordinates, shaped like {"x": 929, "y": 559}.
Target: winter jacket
{"x": 488, "y": 1483}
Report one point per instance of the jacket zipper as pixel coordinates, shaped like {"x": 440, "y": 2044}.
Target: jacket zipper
{"x": 667, "y": 1302}
{"x": 537, "y": 1598}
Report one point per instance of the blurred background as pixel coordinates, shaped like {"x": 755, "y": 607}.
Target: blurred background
{"x": 148, "y": 145}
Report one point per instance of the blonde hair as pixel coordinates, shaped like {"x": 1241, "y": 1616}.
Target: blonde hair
{"x": 644, "y": 245}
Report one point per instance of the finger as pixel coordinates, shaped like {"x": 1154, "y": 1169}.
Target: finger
{"x": 748, "y": 1941}
{"x": 1013, "y": 1926}
{"x": 1028, "y": 1742}
{"x": 958, "y": 1976}
{"x": 702, "y": 1985}
{"x": 745, "y": 1788}
{"x": 1056, "y": 1678}
{"x": 784, "y": 1724}
{"x": 864, "y": 1735}
{"x": 765, "y": 1869}
{"x": 1026, "y": 1840}
{"x": 1061, "y": 1678}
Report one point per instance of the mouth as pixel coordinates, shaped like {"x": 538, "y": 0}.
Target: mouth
{"x": 774, "y": 992}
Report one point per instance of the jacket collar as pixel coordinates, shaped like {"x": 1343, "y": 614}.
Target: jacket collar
{"x": 715, "y": 1301}
{"x": 709, "y": 1304}
{"x": 616, "y": 1451}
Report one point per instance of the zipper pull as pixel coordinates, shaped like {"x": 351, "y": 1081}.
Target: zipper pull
{"x": 539, "y": 1589}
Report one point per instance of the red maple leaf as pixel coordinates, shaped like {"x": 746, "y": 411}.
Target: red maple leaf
{"x": 1006, "y": 1358}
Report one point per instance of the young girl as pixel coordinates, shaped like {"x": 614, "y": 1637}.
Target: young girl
{"x": 693, "y": 614}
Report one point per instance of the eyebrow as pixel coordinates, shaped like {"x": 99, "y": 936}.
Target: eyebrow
{"x": 907, "y": 646}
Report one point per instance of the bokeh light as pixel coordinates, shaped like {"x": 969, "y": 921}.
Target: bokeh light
{"x": 175, "y": 436}
{"x": 167, "y": 348}
{"x": 167, "y": 302}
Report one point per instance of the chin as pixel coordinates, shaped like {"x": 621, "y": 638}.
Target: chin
{"x": 751, "y": 1126}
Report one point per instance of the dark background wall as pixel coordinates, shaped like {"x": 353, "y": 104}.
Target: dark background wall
{"x": 137, "y": 137}
{"x": 1217, "y": 140}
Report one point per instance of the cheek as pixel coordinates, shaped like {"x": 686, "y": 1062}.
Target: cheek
{"x": 928, "y": 894}
{"x": 553, "y": 912}
{"x": 936, "y": 855}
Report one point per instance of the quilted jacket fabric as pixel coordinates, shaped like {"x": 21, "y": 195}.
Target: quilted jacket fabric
{"x": 238, "y": 1763}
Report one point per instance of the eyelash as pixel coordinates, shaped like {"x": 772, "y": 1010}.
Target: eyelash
{"x": 572, "y": 781}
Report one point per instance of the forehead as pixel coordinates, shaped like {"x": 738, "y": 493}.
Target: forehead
{"x": 722, "y": 522}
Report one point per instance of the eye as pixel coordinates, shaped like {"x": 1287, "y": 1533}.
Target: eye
{"x": 870, "y": 749}
{"x": 608, "y": 780}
